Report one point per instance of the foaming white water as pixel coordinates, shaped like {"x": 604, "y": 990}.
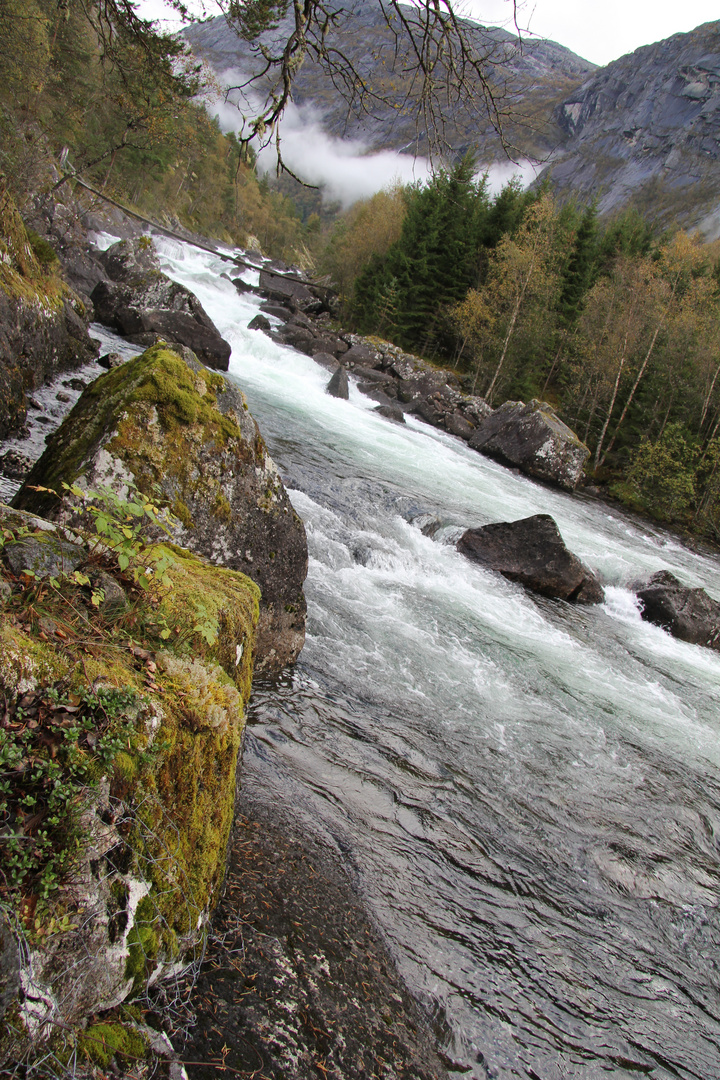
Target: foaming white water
{"x": 529, "y": 790}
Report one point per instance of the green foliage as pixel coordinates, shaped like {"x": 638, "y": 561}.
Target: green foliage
{"x": 664, "y": 474}
{"x": 53, "y": 750}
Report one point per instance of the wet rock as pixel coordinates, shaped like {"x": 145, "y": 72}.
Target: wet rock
{"x": 111, "y": 360}
{"x": 391, "y": 412}
{"x": 326, "y": 360}
{"x": 688, "y": 614}
{"x": 338, "y": 386}
{"x": 329, "y": 344}
{"x": 242, "y": 286}
{"x": 361, "y": 356}
{"x": 259, "y": 323}
{"x": 456, "y": 424}
{"x": 184, "y": 435}
{"x": 278, "y": 310}
{"x": 63, "y": 397}
{"x": 75, "y": 384}
{"x": 297, "y": 336}
{"x": 532, "y": 552}
{"x": 15, "y": 465}
{"x": 140, "y": 300}
{"x": 535, "y": 440}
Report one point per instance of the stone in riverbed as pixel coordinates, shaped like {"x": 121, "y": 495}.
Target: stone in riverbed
{"x": 688, "y": 614}
{"x": 338, "y": 385}
{"x": 534, "y": 439}
{"x": 532, "y": 552}
{"x": 141, "y": 302}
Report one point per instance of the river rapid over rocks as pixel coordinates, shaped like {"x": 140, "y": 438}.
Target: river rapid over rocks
{"x": 525, "y": 794}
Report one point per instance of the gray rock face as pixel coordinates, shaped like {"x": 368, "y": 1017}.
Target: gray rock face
{"x": 535, "y": 440}
{"x": 338, "y": 385}
{"x": 647, "y": 127}
{"x": 141, "y": 302}
{"x": 37, "y": 342}
{"x": 44, "y": 556}
{"x": 688, "y": 614}
{"x": 532, "y": 552}
{"x": 9, "y": 965}
{"x": 196, "y": 447}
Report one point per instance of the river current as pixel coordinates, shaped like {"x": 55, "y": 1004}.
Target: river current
{"x": 526, "y": 794}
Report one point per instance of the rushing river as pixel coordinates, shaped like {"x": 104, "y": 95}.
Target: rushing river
{"x": 527, "y": 794}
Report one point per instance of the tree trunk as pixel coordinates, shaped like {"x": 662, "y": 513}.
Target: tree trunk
{"x": 603, "y": 433}
{"x": 638, "y": 377}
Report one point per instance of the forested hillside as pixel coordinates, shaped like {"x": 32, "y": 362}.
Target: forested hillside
{"x": 618, "y": 327}
{"x": 91, "y": 82}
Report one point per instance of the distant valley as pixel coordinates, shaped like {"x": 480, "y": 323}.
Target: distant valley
{"x": 642, "y": 131}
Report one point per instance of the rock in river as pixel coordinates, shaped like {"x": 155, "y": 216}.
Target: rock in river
{"x": 533, "y": 438}
{"x": 532, "y": 552}
{"x": 688, "y": 614}
{"x": 141, "y": 302}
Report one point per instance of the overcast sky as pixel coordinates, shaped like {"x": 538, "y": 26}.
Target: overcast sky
{"x": 598, "y": 30}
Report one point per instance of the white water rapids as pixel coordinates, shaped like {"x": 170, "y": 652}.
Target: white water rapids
{"x": 527, "y": 794}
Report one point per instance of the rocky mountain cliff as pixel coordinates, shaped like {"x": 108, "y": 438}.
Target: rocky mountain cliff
{"x": 645, "y": 131}
{"x": 530, "y": 78}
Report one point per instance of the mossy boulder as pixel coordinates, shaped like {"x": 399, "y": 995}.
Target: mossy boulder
{"x": 183, "y": 435}
{"x": 533, "y": 439}
{"x": 120, "y": 754}
{"x": 43, "y": 324}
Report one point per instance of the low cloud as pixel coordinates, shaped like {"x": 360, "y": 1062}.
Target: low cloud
{"x": 345, "y": 168}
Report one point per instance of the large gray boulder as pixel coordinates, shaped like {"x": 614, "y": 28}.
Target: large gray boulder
{"x": 688, "y": 614}
{"x": 184, "y": 436}
{"x": 534, "y": 439}
{"x": 142, "y": 303}
{"x": 532, "y": 552}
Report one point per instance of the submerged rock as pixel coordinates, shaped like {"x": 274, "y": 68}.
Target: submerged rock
{"x": 532, "y": 552}
{"x": 141, "y": 302}
{"x": 183, "y": 435}
{"x": 533, "y": 438}
{"x": 688, "y": 614}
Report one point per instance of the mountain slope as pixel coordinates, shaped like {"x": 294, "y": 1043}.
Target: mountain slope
{"x": 530, "y": 77}
{"x": 645, "y": 131}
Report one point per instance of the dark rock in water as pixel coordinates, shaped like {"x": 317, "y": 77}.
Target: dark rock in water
{"x": 430, "y": 410}
{"x": 376, "y": 393}
{"x": 242, "y": 286}
{"x": 111, "y": 360}
{"x": 456, "y": 424}
{"x": 184, "y": 435}
{"x": 688, "y": 614}
{"x": 532, "y": 552}
{"x": 326, "y": 360}
{"x": 391, "y": 412}
{"x": 15, "y": 465}
{"x": 299, "y": 319}
{"x": 338, "y": 385}
{"x": 259, "y": 323}
{"x": 140, "y": 300}
{"x": 290, "y": 291}
{"x": 278, "y": 310}
{"x": 63, "y": 397}
{"x": 535, "y": 440}
{"x": 75, "y": 384}
{"x": 296, "y": 336}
